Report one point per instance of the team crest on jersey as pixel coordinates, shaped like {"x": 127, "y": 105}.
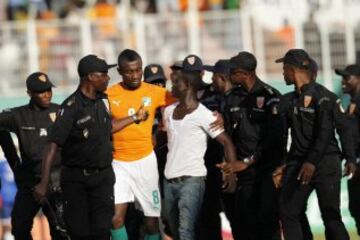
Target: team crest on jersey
{"x": 260, "y": 102}
{"x": 352, "y": 108}
{"x": 52, "y": 116}
{"x": 154, "y": 69}
{"x": 146, "y": 101}
{"x": 307, "y": 101}
{"x": 42, "y": 78}
{"x": 191, "y": 60}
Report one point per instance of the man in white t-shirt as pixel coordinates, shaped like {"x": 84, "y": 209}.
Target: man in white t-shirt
{"x": 188, "y": 127}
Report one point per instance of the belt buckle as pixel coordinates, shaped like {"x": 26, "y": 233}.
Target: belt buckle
{"x": 89, "y": 173}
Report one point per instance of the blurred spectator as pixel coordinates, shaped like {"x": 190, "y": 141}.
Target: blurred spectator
{"x": 232, "y": 4}
{"x": 103, "y": 9}
{"x": 17, "y": 9}
{"x": 7, "y": 195}
{"x": 106, "y": 11}
{"x": 216, "y": 4}
{"x": 144, "y": 6}
{"x": 73, "y": 10}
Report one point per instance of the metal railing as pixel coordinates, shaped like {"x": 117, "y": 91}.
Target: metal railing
{"x": 56, "y": 46}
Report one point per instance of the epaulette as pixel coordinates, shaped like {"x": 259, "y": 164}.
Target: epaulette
{"x": 70, "y": 101}
{"x": 269, "y": 90}
{"x": 323, "y": 99}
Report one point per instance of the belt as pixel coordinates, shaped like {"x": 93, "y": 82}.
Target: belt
{"x": 88, "y": 171}
{"x": 178, "y": 179}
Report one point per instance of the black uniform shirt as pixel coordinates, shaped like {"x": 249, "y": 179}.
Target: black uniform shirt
{"x": 345, "y": 127}
{"x": 214, "y": 151}
{"x": 310, "y": 116}
{"x": 353, "y": 113}
{"x": 83, "y": 130}
{"x": 252, "y": 120}
{"x": 31, "y": 124}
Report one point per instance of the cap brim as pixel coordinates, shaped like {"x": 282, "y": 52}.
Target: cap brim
{"x": 209, "y": 68}
{"x": 177, "y": 65}
{"x": 342, "y": 72}
{"x": 155, "y": 78}
{"x": 43, "y": 88}
{"x": 111, "y": 66}
{"x": 280, "y": 60}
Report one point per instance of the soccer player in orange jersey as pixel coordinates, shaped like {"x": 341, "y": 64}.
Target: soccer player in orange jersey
{"x": 135, "y": 164}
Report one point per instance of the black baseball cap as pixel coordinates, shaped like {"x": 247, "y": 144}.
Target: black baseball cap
{"x": 178, "y": 65}
{"x": 38, "y": 82}
{"x": 244, "y": 60}
{"x": 296, "y": 57}
{"x": 353, "y": 69}
{"x": 192, "y": 63}
{"x": 313, "y": 67}
{"x": 154, "y": 72}
{"x": 221, "y": 66}
{"x": 92, "y": 63}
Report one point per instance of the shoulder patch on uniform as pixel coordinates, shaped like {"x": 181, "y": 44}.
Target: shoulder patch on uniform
{"x": 52, "y": 116}
{"x": 307, "y": 100}
{"x": 260, "y": 102}
{"x": 352, "y": 108}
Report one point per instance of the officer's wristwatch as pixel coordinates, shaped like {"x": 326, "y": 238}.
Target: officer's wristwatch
{"x": 248, "y": 160}
{"x": 135, "y": 118}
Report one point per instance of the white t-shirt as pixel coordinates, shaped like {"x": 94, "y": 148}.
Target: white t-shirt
{"x": 187, "y": 141}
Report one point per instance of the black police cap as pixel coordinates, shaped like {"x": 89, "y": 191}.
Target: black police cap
{"x": 244, "y": 60}
{"x": 353, "y": 69}
{"x": 222, "y": 66}
{"x": 92, "y": 63}
{"x": 154, "y": 72}
{"x": 296, "y": 57}
{"x": 38, "y": 82}
{"x": 192, "y": 63}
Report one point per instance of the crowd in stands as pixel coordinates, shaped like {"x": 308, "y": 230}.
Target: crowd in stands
{"x": 14, "y": 10}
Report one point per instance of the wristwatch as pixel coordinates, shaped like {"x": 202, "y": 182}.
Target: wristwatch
{"x": 135, "y": 118}
{"x": 248, "y": 160}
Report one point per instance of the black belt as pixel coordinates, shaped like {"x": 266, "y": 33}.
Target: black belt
{"x": 178, "y": 179}
{"x": 88, "y": 171}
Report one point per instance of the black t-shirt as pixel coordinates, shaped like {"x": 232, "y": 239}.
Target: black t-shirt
{"x": 83, "y": 130}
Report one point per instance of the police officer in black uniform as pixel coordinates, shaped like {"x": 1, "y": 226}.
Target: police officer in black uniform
{"x": 351, "y": 85}
{"x": 313, "y": 161}
{"x": 253, "y": 120}
{"x": 83, "y": 129}
{"x": 31, "y": 123}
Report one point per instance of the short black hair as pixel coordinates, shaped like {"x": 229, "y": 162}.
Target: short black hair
{"x": 193, "y": 78}
{"x": 128, "y": 55}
